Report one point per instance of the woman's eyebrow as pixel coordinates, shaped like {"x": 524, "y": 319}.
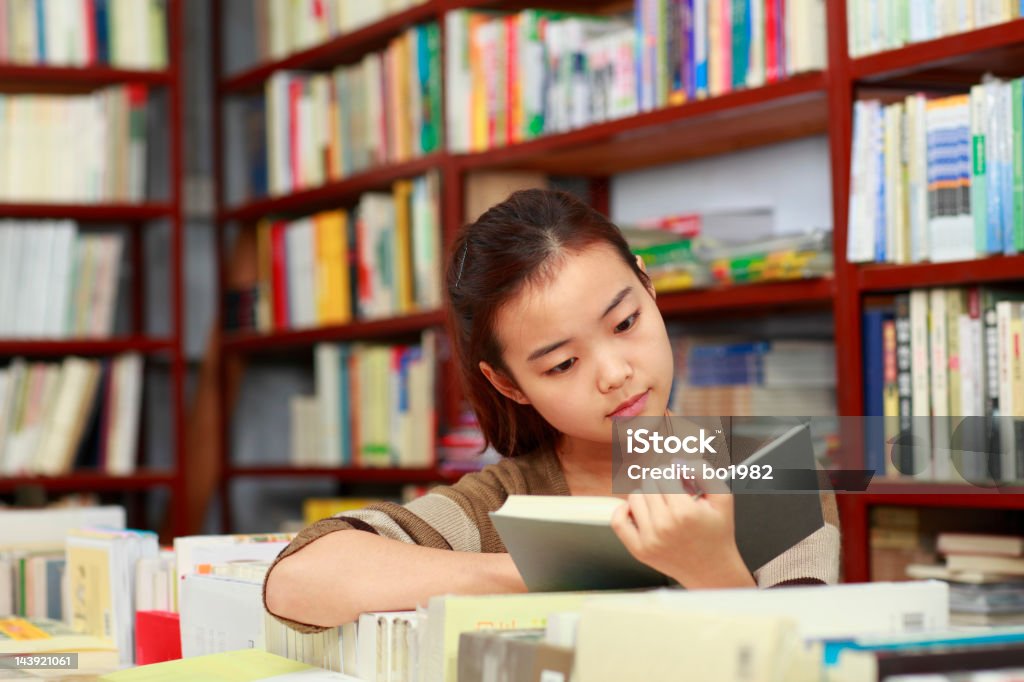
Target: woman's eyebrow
{"x": 551, "y": 347}
{"x": 615, "y": 301}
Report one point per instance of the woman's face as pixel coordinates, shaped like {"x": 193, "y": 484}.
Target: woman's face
{"x": 586, "y": 345}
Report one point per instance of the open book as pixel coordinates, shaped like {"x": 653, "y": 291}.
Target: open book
{"x": 567, "y": 543}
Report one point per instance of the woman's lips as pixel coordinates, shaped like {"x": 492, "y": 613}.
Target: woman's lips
{"x": 633, "y": 406}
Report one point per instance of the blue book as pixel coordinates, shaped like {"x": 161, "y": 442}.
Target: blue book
{"x": 102, "y": 32}
{"x": 874, "y": 382}
{"x": 41, "y": 31}
{"x": 929, "y": 640}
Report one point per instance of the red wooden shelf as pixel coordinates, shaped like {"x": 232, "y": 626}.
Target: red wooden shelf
{"x": 349, "y": 474}
{"x": 339, "y": 50}
{"x": 739, "y": 297}
{"x": 779, "y": 111}
{"x": 88, "y": 212}
{"x": 89, "y": 481}
{"x": 57, "y": 347}
{"x": 33, "y": 78}
{"x": 959, "y": 273}
{"x": 932, "y": 494}
{"x": 356, "y": 331}
{"x": 333, "y": 194}
{"x": 956, "y": 59}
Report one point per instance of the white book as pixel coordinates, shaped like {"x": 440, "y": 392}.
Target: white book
{"x": 126, "y": 372}
{"x": 939, "y": 357}
{"x": 384, "y": 645}
{"x": 196, "y": 553}
{"x": 865, "y": 608}
{"x": 920, "y": 399}
{"x": 49, "y": 527}
{"x": 327, "y": 358}
{"x": 219, "y": 614}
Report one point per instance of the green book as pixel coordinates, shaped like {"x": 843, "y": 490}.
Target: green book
{"x": 979, "y": 181}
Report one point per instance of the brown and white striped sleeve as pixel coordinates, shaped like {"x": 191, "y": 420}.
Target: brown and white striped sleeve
{"x": 448, "y": 517}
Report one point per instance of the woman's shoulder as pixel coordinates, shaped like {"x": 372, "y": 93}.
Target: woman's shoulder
{"x": 535, "y": 473}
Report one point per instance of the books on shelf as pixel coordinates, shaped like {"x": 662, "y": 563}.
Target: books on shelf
{"x": 759, "y": 377}
{"x": 81, "y": 413}
{"x": 938, "y": 358}
{"x": 323, "y": 127}
{"x": 938, "y": 179}
{"x": 381, "y": 259}
{"x": 57, "y": 282}
{"x": 127, "y": 34}
{"x": 374, "y": 406}
{"x": 516, "y": 76}
{"x": 102, "y": 157}
{"x": 284, "y": 28}
{"x": 873, "y": 26}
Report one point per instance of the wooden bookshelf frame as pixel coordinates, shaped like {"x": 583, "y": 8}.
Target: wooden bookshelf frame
{"x": 64, "y": 80}
{"x": 806, "y": 104}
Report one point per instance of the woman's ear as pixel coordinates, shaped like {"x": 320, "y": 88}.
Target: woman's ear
{"x": 503, "y": 384}
{"x": 643, "y": 268}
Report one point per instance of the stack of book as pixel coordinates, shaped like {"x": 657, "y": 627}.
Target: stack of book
{"x": 938, "y": 179}
{"x": 381, "y": 259}
{"x": 514, "y": 77}
{"x": 322, "y": 127}
{"x": 373, "y": 407}
{"x": 77, "y": 414}
{"x": 874, "y": 25}
{"x": 128, "y": 34}
{"x": 944, "y": 367}
{"x": 985, "y": 575}
{"x": 282, "y": 28}
{"x": 56, "y": 282}
{"x": 101, "y": 158}
{"x": 769, "y": 377}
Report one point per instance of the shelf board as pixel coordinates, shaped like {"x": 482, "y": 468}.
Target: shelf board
{"x": 333, "y": 194}
{"x": 339, "y": 50}
{"x": 88, "y": 212}
{"x": 871, "y": 278}
{"x": 88, "y": 481}
{"x": 957, "y": 59}
{"x": 743, "y": 297}
{"x": 933, "y": 494}
{"x": 349, "y": 474}
{"x": 23, "y": 78}
{"x": 58, "y": 347}
{"x": 356, "y": 331}
{"x": 780, "y": 111}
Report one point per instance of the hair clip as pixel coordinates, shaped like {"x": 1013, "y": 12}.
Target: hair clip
{"x": 465, "y": 252}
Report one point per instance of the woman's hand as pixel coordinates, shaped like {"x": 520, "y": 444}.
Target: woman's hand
{"x": 689, "y": 538}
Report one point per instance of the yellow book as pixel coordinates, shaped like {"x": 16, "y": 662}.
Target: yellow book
{"x": 403, "y": 247}
{"x": 316, "y": 508}
{"x": 88, "y": 575}
{"x": 44, "y": 636}
{"x": 450, "y": 616}
{"x": 332, "y": 281}
{"x": 245, "y": 665}
{"x": 479, "y": 138}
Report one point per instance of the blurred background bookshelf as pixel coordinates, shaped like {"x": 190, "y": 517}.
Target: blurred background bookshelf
{"x": 91, "y": 228}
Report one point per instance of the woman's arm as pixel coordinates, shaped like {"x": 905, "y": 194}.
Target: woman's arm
{"x": 336, "y": 577}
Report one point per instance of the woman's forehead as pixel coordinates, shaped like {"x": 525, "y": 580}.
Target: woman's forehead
{"x": 575, "y": 292}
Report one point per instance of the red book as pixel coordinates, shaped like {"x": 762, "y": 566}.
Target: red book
{"x": 157, "y": 637}
{"x": 279, "y": 274}
{"x": 513, "y": 115}
{"x": 294, "y": 138}
{"x": 91, "y": 50}
{"x": 771, "y": 40}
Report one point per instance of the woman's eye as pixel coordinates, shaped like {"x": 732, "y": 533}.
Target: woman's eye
{"x": 562, "y": 367}
{"x": 627, "y": 323}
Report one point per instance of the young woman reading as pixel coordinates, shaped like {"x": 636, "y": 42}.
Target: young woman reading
{"x": 555, "y": 331}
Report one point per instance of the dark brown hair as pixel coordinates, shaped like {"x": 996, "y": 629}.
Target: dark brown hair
{"x": 516, "y": 243}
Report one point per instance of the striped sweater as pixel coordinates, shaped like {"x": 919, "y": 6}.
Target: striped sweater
{"x": 456, "y": 518}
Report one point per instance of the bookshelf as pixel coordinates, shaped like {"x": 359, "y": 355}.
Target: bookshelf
{"x": 135, "y": 219}
{"x": 801, "y": 105}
